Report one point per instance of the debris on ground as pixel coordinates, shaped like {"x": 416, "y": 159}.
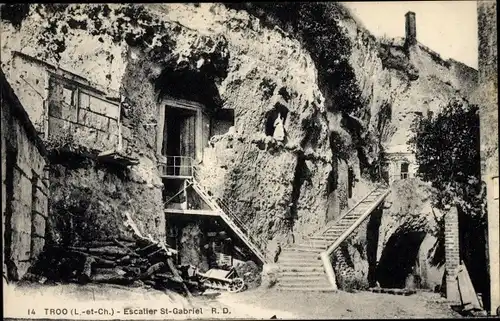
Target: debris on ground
{"x": 393, "y": 291}
{"x": 250, "y": 273}
{"x": 222, "y": 280}
{"x": 470, "y": 303}
{"x": 136, "y": 261}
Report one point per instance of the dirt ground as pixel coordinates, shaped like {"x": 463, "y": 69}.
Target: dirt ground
{"x": 360, "y": 305}
{"x": 99, "y": 301}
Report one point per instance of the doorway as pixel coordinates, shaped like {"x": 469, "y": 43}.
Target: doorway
{"x": 180, "y": 136}
{"x": 179, "y": 140}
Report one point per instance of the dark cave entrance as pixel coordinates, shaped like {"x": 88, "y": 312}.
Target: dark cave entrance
{"x": 206, "y": 242}
{"x": 221, "y": 121}
{"x": 399, "y": 259}
{"x": 372, "y": 236}
{"x": 350, "y": 181}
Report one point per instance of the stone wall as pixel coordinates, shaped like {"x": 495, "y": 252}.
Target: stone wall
{"x": 487, "y": 98}
{"x": 24, "y": 187}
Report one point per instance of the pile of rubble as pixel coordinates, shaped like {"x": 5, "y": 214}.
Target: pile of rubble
{"x": 137, "y": 261}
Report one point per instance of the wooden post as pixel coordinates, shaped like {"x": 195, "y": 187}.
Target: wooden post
{"x": 160, "y": 128}
{"x": 452, "y": 254}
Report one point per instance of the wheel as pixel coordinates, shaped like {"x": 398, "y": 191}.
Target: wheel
{"x": 236, "y": 285}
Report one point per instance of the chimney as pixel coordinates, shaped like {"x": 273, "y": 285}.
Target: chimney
{"x": 411, "y": 29}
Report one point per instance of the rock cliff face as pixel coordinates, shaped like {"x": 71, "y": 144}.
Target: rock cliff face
{"x": 343, "y": 95}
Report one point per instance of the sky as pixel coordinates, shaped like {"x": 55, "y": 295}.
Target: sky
{"x": 447, "y": 27}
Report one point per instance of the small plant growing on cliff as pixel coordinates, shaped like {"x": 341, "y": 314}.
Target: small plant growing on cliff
{"x": 446, "y": 147}
{"x": 14, "y": 13}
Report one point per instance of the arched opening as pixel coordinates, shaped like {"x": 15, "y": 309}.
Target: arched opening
{"x": 279, "y": 110}
{"x": 399, "y": 259}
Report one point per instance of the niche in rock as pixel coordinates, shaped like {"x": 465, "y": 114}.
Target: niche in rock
{"x": 399, "y": 260}
{"x": 182, "y": 81}
{"x": 275, "y": 121}
{"x": 221, "y": 121}
{"x": 350, "y": 181}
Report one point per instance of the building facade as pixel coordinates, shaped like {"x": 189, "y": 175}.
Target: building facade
{"x": 24, "y": 186}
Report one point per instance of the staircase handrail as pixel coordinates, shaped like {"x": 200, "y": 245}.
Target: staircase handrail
{"x": 325, "y": 256}
{"x": 330, "y": 224}
{"x": 230, "y": 214}
{"x": 358, "y": 222}
{"x": 179, "y": 192}
{"x": 244, "y": 227}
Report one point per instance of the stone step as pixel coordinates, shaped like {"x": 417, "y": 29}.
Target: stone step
{"x": 345, "y": 224}
{"x": 318, "y": 284}
{"x": 310, "y": 249}
{"x": 329, "y": 239}
{"x": 300, "y": 263}
{"x": 350, "y": 218}
{"x": 332, "y": 236}
{"x": 300, "y": 269}
{"x": 293, "y": 253}
{"x": 312, "y": 241}
{"x": 336, "y": 229}
{"x": 353, "y": 216}
{"x": 304, "y": 245}
{"x": 311, "y": 279}
{"x": 293, "y": 259}
{"x": 317, "y": 247}
{"x": 301, "y": 274}
{"x": 324, "y": 288}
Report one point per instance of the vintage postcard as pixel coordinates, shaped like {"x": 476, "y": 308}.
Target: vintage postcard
{"x": 277, "y": 160}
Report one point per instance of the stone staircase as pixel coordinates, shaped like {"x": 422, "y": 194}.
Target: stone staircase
{"x": 301, "y": 268}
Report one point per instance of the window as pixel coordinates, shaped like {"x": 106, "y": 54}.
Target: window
{"x": 405, "y": 170}
{"x": 385, "y": 172}
{"x": 69, "y": 96}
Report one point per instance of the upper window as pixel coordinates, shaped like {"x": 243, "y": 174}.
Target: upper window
{"x": 69, "y": 96}
{"x": 405, "y": 170}
{"x": 98, "y": 105}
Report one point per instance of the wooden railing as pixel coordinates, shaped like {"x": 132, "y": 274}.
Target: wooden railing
{"x": 260, "y": 241}
{"x": 176, "y": 166}
{"x": 221, "y": 205}
{"x": 183, "y": 167}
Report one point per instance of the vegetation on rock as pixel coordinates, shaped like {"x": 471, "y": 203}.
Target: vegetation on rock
{"x": 14, "y": 13}
{"x": 446, "y": 147}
